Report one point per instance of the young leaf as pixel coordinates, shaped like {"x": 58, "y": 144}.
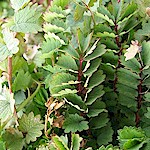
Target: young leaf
{"x": 14, "y": 139}
{"x": 11, "y": 44}
{"x": 75, "y": 144}
{"x": 74, "y": 123}
{"x": 27, "y": 20}
{"x": 22, "y": 80}
{"x": 59, "y": 143}
{"x": 32, "y": 126}
{"x": 131, "y": 138}
{"x": 67, "y": 62}
{"x": 7, "y": 103}
{"x": 18, "y": 4}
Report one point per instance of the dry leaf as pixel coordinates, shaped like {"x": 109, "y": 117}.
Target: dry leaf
{"x": 132, "y": 50}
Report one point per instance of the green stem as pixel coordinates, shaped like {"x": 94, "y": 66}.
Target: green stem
{"x": 24, "y": 103}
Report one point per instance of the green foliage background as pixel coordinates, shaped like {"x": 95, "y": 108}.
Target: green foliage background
{"x": 75, "y": 75}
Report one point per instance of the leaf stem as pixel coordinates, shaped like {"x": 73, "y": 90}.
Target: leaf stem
{"x": 10, "y": 73}
{"x": 24, "y": 103}
{"x": 92, "y": 15}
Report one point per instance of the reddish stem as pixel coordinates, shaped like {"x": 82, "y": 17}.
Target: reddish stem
{"x": 139, "y": 98}
{"x": 80, "y": 73}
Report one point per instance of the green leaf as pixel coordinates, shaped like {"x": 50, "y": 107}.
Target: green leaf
{"x": 95, "y": 93}
{"x": 67, "y": 62}
{"x": 60, "y": 78}
{"x": 131, "y": 64}
{"x": 146, "y": 53}
{"x": 20, "y": 84}
{"x": 79, "y": 11}
{"x": 96, "y": 79}
{"x": 75, "y": 144}
{"x": 52, "y": 28}
{"x": 105, "y": 17}
{"x": 100, "y": 121}
{"x": 145, "y": 31}
{"x": 105, "y": 34}
{"x": 62, "y": 3}
{"x": 96, "y": 108}
{"x": 31, "y": 125}
{"x": 10, "y": 45}
{"x": 130, "y": 9}
{"x": 95, "y": 63}
{"x": 7, "y": 103}
{"x": 74, "y": 123}
{"x": 105, "y": 135}
{"x": 14, "y": 139}
{"x": 148, "y": 113}
{"x": 64, "y": 92}
{"x": 2, "y": 145}
{"x": 75, "y": 101}
{"x": 18, "y": 4}
{"x": 131, "y": 138}
{"x": 28, "y": 20}
{"x": 83, "y": 41}
{"x": 59, "y": 144}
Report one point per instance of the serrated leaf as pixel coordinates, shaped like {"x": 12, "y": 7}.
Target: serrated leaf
{"x": 96, "y": 79}
{"x": 96, "y": 108}
{"x": 27, "y": 20}
{"x": 19, "y": 4}
{"x": 95, "y": 93}
{"x": 31, "y": 125}
{"x": 105, "y": 34}
{"x": 61, "y": 3}
{"x": 64, "y": 92}
{"x": 83, "y": 41}
{"x": 7, "y": 104}
{"x": 79, "y": 11}
{"x": 75, "y": 144}
{"x": 52, "y": 28}
{"x": 146, "y": 53}
{"x": 14, "y": 139}
{"x": 131, "y": 64}
{"x": 148, "y": 113}
{"x": 71, "y": 51}
{"x": 59, "y": 144}
{"x": 10, "y": 45}
{"x": 74, "y": 123}
{"x": 20, "y": 84}
{"x": 95, "y": 63}
{"x": 131, "y": 138}
{"x": 59, "y": 78}
{"x": 145, "y": 31}
{"x": 100, "y": 121}
{"x": 49, "y": 16}
{"x": 105, "y": 136}
{"x": 129, "y": 11}
{"x": 105, "y": 17}
{"x": 67, "y": 62}
{"x": 75, "y": 101}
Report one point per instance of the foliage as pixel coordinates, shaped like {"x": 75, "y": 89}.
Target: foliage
{"x": 82, "y": 67}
